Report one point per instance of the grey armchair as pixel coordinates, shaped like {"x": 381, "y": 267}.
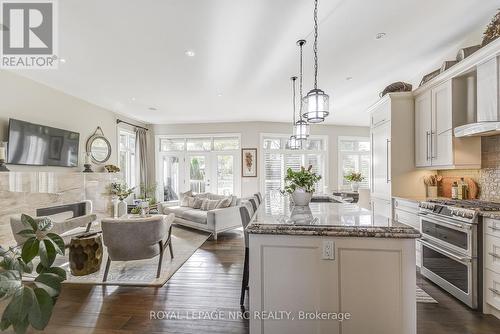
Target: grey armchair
{"x": 137, "y": 239}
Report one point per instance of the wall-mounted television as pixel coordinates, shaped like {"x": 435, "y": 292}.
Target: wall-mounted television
{"x": 40, "y": 145}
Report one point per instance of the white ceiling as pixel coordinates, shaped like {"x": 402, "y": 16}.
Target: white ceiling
{"x": 118, "y": 50}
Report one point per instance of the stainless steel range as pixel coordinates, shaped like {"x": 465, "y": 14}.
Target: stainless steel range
{"x": 452, "y": 246}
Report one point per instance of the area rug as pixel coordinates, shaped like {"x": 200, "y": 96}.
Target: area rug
{"x": 142, "y": 272}
{"x": 423, "y": 297}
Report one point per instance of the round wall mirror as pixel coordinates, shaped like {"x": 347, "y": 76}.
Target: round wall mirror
{"x": 99, "y": 147}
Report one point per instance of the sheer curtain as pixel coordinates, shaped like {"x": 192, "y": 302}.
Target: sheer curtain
{"x": 141, "y": 148}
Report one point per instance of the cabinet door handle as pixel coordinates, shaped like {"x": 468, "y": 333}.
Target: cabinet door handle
{"x": 433, "y": 145}
{"x": 427, "y": 145}
{"x": 495, "y": 291}
{"x": 493, "y": 228}
{"x": 387, "y": 145}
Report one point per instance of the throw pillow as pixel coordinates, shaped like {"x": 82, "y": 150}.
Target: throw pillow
{"x": 187, "y": 201}
{"x": 210, "y": 204}
{"x": 197, "y": 203}
{"x": 204, "y": 204}
{"x": 224, "y": 203}
{"x": 186, "y": 194}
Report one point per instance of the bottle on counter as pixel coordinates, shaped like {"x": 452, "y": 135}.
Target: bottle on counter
{"x": 454, "y": 190}
{"x": 463, "y": 189}
{"x": 460, "y": 190}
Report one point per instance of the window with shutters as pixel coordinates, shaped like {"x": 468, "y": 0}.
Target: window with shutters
{"x": 277, "y": 158}
{"x": 354, "y": 156}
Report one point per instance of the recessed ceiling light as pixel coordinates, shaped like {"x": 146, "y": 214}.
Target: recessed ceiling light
{"x": 132, "y": 99}
{"x": 219, "y": 94}
{"x": 152, "y": 108}
{"x": 380, "y": 35}
{"x": 348, "y": 78}
{"x": 190, "y": 53}
{"x": 62, "y": 60}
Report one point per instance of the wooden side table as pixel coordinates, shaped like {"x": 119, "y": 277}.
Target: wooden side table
{"x": 85, "y": 254}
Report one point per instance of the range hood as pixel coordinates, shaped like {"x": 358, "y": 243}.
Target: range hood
{"x": 484, "y": 118}
{"x": 478, "y": 129}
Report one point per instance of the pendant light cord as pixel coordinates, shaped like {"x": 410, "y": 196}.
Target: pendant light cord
{"x": 294, "y": 98}
{"x": 300, "y": 80}
{"x": 315, "y": 46}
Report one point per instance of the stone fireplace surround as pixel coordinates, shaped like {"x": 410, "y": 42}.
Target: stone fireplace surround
{"x": 24, "y": 192}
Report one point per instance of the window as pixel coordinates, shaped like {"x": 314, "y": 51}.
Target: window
{"x": 277, "y": 158}
{"x": 127, "y": 157}
{"x": 354, "y": 156}
{"x": 201, "y": 163}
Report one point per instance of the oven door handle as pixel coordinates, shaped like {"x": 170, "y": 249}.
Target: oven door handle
{"x": 458, "y": 225}
{"x": 444, "y": 252}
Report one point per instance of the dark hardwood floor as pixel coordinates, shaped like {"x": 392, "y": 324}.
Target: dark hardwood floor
{"x": 210, "y": 281}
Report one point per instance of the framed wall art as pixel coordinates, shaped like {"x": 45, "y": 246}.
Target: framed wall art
{"x": 249, "y": 162}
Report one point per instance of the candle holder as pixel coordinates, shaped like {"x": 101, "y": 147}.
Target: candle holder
{"x": 87, "y": 165}
{"x": 3, "y": 154}
{"x": 88, "y": 168}
{"x": 3, "y": 168}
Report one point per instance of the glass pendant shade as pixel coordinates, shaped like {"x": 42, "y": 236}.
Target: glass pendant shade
{"x": 301, "y": 130}
{"x": 293, "y": 143}
{"x": 316, "y": 105}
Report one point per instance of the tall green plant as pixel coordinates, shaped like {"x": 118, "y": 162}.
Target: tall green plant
{"x": 31, "y": 303}
{"x": 303, "y": 179}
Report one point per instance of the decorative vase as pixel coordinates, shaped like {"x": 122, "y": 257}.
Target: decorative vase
{"x": 122, "y": 208}
{"x": 355, "y": 186}
{"x": 432, "y": 191}
{"x": 115, "y": 201}
{"x": 300, "y": 197}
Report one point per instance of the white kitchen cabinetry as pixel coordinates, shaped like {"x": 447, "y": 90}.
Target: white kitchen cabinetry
{"x": 491, "y": 263}
{"x": 393, "y": 158}
{"x": 406, "y": 212}
{"x": 372, "y": 279}
{"x": 437, "y": 111}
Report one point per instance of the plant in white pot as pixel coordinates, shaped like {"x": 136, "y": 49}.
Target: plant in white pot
{"x": 120, "y": 192}
{"x": 354, "y": 179}
{"x": 300, "y": 185}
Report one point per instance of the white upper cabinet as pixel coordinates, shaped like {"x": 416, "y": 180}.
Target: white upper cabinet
{"x": 381, "y": 174}
{"x": 437, "y": 111}
{"x": 423, "y": 126}
{"x": 393, "y": 157}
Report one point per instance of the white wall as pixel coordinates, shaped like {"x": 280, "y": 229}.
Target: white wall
{"x": 27, "y": 100}
{"x": 250, "y": 138}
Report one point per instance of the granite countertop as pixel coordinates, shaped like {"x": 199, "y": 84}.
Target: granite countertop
{"x": 325, "y": 219}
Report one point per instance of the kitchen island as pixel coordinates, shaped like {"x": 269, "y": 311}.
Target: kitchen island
{"x": 330, "y": 268}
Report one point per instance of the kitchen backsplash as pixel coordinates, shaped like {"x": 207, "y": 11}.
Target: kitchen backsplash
{"x": 488, "y": 177}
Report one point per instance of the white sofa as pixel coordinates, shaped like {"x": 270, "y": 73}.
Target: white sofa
{"x": 213, "y": 221}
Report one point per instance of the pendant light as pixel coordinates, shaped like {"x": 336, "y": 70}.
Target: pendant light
{"x": 293, "y": 143}
{"x": 301, "y": 129}
{"x": 316, "y": 102}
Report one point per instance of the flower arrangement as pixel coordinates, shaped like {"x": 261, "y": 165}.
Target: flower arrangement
{"x": 303, "y": 179}
{"x": 120, "y": 190}
{"x": 354, "y": 177}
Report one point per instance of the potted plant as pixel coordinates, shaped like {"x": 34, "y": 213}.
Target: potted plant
{"x": 300, "y": 185}
{"x": 120, "y": 192}
{"x": 32, "y": 302}
{"x": 354, "y": 179}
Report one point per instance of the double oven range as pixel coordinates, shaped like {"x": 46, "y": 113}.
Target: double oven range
{"x": 452, "y": 246}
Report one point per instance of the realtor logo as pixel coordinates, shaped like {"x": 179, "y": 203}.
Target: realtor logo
{"x": 28, "y": 34}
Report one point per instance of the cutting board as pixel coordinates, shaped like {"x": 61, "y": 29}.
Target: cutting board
{"x": 447, "y": 182}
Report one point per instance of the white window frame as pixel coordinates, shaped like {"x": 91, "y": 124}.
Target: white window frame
{"x": 340, "y": 178}
{"x": 184, "y": 153}
{"x": 128, "y": 178}
{"x": 324, "y": 152}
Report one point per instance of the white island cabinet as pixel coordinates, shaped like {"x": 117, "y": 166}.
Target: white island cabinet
{"x": 343, "y": 270}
